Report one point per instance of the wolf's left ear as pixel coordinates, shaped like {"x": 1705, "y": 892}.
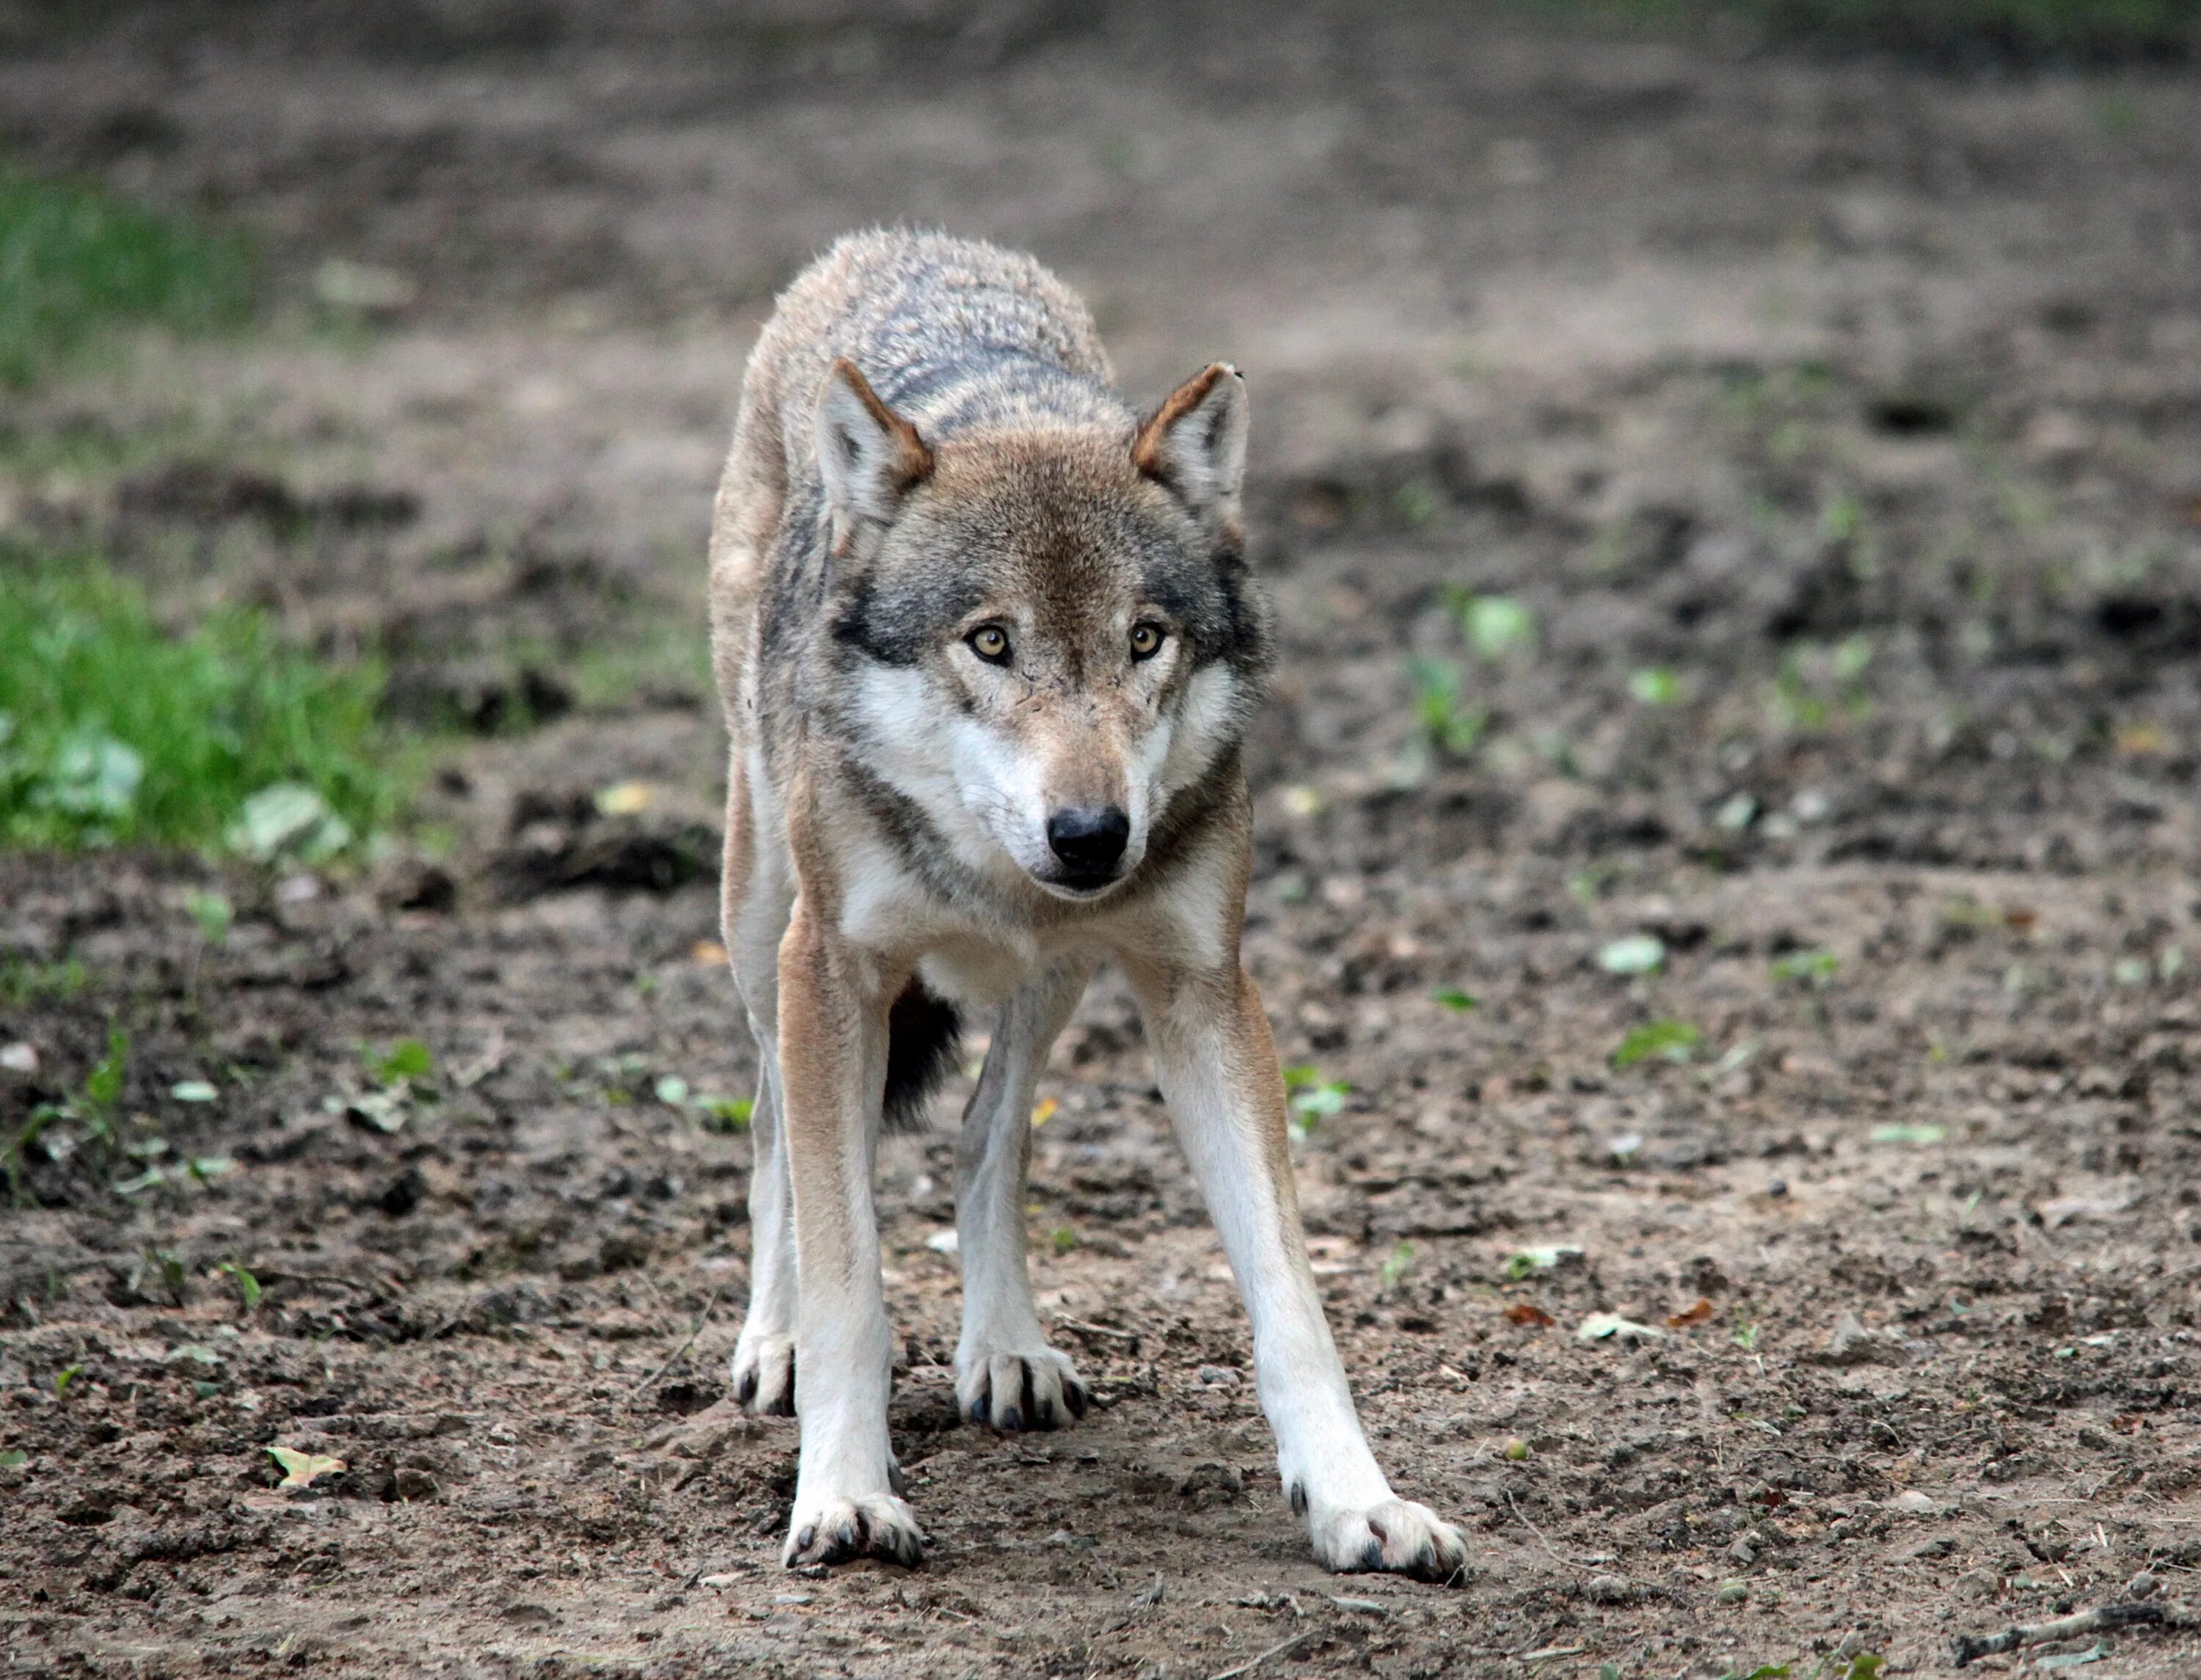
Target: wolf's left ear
{"x": 868, "y": 455}
{"x": 1196, "y": 444}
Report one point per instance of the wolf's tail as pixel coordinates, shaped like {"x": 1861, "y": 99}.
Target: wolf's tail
{"x": 923, "y": 1032}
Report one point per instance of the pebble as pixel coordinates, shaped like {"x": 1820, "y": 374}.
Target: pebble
{"x": 2142, "y": 1585}
{"x": 1610, "y": 1589}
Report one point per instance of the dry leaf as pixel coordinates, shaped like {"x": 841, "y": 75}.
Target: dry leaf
{"x": 301, "y": 1468}
{"x": 1611, "y": 1326}
{"x": 1700, "y": 1314}
{"x": 1527, "y": 1312}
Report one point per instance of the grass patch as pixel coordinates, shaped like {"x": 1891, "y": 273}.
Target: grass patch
{"x": 112, "y": 730}
{"x": 76, "y": 262}
{"x": 1949, "y": 31}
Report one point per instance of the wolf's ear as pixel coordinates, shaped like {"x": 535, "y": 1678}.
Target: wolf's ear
{"x": 868, "y": 455}
{"x": 1196, "y": 444}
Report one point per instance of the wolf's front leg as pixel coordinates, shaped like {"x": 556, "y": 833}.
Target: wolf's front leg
{"x": 1005, "y": 1374}
{"x": 832, "y": 1059}
{"x": 1217, "y": 1066}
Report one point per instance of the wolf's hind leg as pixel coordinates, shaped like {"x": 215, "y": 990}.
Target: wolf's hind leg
{"x": 754, "y": 914}
{"x": 1005, "y": 1374}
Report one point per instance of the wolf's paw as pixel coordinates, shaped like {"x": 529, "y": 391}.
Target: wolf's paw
{"x": 764, "y": 1374}
{"x": 1397, "y": 1535}
{"x": 836, "y": 1529}
{"x": 1034, "y": 1387}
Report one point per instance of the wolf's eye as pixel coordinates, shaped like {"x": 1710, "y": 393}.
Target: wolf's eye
{"x": 991, "y": 643}
{"x": 1145, "y": 640}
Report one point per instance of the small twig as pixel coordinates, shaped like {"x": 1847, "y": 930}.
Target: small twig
{"x": 702, "y": 1319}
{"x": 1568, "y": 1563}
{"x": 1276, "y": 1650}
{"x": 1551, "y": 1651}
{"x": 2098, "y": 1620}
{"x": 1084, "y": 1329}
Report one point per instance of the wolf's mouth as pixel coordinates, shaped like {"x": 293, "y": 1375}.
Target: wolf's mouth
{"x": 1082, "y": 886}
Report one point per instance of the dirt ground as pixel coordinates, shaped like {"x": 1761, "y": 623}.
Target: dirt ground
{"x": 1839, "y": 422}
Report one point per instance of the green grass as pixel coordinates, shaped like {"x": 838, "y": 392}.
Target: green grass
{"x": 2016, "y": 29}
{"x": 1958, "y": 31}
{"x": 113, "y": 731}
{"x": 76, "y": 262}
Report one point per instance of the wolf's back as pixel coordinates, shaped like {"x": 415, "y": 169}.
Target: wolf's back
{"x": 953, "y": 333}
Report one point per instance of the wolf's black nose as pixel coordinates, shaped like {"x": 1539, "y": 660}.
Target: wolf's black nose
{"x": 1088, "y": 841}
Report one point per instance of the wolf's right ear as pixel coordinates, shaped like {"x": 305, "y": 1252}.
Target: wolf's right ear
{"x": 868, "y": 455}
{"x": 1196, "y": 444}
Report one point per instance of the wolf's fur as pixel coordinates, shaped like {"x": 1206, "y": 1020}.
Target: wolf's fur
{"x": 988, "y": 648}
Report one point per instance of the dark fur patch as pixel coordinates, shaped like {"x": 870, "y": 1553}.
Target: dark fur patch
{"x": 923, "y": 1032}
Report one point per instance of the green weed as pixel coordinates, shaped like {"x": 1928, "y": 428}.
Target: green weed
{"x": 1670, "y": 1041}
{"x": 23, "y": 981}
{"x": 1448, "y": 723}
{"x": 1815, "y": 969}
{"x": 113, "y": 731}
{"x": 75, "y": 262}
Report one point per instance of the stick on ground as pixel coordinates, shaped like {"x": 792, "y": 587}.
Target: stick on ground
{"x": 2099, "y": 1620}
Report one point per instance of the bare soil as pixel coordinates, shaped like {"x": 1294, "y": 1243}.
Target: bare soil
{"x": 1864, "y": 401}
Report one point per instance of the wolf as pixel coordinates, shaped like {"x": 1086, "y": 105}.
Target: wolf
{"x": 988, "y": 647}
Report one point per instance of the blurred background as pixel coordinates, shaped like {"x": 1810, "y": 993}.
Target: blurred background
{"x": 1730, "y": 475}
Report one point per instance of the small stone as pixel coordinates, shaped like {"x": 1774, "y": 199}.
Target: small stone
{"x": 1912, "y": 1503}
{"x": 1743, "y": 1552}
{"x": 1974, "y": 1583}
{"x": 2142, "y": 1585}
{"x": 1610, "y": 1589}
{"x": 413, "y": 1483}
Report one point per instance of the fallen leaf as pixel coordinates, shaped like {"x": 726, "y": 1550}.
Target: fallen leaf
{"x": 2141, "y": 740}
{"x": 2065, "y": 1210}
{"x": 1638, "y": 953}
{"x": 1527, "y": 1312}
{"x": 1525, "y": 1262}
{"x": 20, "y": 1058}
{"x": 1606, "y": 1326}
{"x": 1909, "y": 1134}
{"x": 301, "y": 1468}
{"x": 193, "y": 1090}
{"x": 623, "y": 799}
{"x": 1043, "y": 1110}
{"x": 708, "y": 951}
{"x": 381, "y": 1111}
{"x": 1698, "y": 1314}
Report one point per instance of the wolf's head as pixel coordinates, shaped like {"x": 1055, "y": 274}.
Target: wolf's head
{"x": 1047, "y": 630}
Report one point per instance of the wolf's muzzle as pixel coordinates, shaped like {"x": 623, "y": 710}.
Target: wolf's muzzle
{"x": 1088, "y": 843}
